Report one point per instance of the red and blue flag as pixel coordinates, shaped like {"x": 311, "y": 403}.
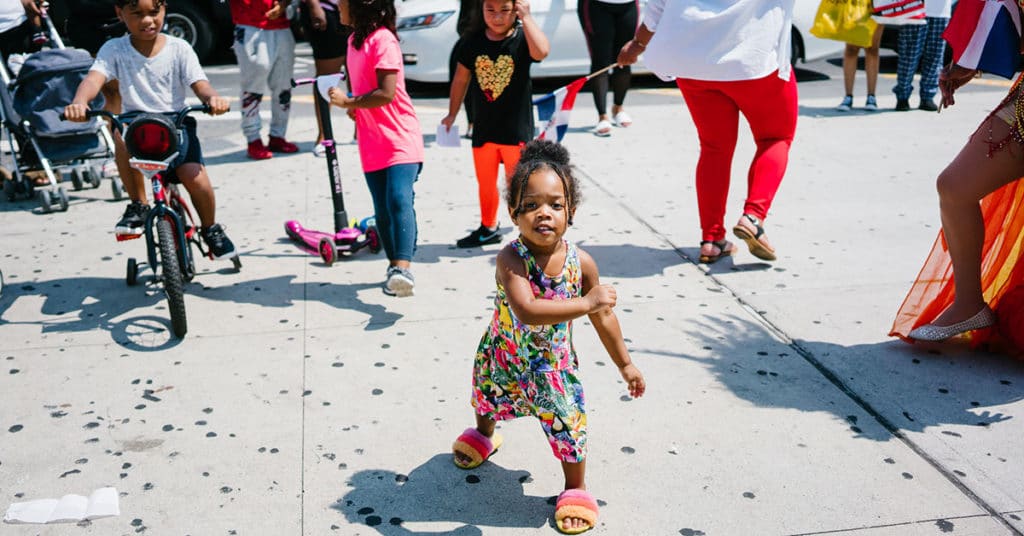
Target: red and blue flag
{"x": 554, "y": 108}
{"x": 985, "y": 35}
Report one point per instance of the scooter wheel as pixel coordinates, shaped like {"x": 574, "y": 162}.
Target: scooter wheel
{"x": 237, "y": 262}
{"x": 373, "y": 239}
{"x": 328, "y": 253}
{"x": 131, "y": 276}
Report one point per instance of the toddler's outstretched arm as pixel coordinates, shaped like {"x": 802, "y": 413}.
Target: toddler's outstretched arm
{"x": 512, "y": 275}
{"x": 608, "y": 330}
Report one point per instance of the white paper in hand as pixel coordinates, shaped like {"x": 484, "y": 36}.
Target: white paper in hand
{"x": 448, "y": 138}
{"x": 325, "y": 82}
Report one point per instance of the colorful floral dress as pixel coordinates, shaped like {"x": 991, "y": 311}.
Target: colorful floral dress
{"x": 522, "y": 369}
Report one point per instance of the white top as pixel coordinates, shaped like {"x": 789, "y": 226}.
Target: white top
{"x": 719, "y": 40}
{"x": 938, "y": 8}
{"x": 157, "y": 84}
{"x": 12, "y": 14}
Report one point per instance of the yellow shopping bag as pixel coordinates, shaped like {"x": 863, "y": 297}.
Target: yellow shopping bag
{"x": 848, "y": 21}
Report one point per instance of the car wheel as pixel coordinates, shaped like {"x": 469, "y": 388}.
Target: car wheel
{"x": 187, "y": 22}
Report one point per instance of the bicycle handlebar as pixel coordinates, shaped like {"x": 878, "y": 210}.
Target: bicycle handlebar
{"x": 116, "y": 119}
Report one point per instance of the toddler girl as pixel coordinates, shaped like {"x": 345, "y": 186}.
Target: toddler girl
{"x": 390, "y": 142}
{"x": 496, "y": 52}
{"x": 526, "y": 363}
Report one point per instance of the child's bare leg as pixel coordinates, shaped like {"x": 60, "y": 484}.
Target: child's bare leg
{"x": 194, "y": 178}
{"x": 575, "y": 478}
{"x": 872, "y": 61}
{"x": 966, "y": 180}
{"x": 850, "y": 54}
{"x": 133, "y": 181}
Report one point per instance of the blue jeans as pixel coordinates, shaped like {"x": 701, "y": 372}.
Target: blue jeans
{"x": 391, "y": 189}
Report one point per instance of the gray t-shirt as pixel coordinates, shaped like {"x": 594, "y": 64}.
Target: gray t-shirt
{"x": 157, "y": 84}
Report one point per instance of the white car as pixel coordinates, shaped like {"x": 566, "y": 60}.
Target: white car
{"x": 426, "y": 29}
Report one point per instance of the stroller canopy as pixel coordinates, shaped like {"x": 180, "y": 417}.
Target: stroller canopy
{"x": 46, "y": 84}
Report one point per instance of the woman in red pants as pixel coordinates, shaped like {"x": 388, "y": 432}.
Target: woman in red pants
{"x": 729, "y": 57}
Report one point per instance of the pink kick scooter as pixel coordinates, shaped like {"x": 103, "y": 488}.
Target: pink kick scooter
{"x": 347, "y": 237}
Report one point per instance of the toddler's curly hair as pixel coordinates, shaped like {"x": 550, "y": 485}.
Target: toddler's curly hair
{"x": 540, "y": 154}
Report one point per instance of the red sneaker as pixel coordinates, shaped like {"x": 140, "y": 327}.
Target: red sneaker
{"x": 257, "y": 151}
{"x": 281, "y": 145}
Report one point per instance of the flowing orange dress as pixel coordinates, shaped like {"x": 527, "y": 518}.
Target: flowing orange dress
{"x": 1001, "y": 268}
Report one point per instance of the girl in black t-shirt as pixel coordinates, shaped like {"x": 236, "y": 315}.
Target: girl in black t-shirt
{"x": 496, "y": 52}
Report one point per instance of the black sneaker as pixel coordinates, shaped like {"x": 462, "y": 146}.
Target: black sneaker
{"x": 133, "y": 222}
{"x": 902, "y": 105}
{"x": 480, "y": 237}
{"x": 400, "y": 282}
{"x": 928, "y": 105}
{"x": 219, "y": 244}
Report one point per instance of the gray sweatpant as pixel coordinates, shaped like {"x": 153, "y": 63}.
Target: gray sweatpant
{"x": 266, "y": 59}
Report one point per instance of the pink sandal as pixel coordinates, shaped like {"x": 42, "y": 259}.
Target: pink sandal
{"x": 576, "y": 503}
{"x": 476, "y": 446}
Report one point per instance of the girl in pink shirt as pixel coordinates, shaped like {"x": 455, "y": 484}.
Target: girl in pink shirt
{"x": 390, "y": 141}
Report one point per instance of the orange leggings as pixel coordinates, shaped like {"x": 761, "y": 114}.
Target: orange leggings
{"x": 486, "y": 160}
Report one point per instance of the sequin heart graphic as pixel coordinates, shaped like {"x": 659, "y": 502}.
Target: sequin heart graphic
{"x": 494, "y": 76}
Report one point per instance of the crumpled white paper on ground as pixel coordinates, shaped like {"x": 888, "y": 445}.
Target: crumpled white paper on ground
{"x": 68, "y": 509}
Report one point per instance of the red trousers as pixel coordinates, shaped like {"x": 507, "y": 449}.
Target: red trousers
{"x": 770, "y": 106}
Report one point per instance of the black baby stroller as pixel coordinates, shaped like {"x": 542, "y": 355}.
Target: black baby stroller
{"x": 39, "y": 142}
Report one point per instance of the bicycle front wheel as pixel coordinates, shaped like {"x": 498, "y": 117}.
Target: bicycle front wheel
{"x": 170, "y": 266}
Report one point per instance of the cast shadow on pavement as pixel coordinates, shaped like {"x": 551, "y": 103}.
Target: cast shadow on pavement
{"x": 459, "y": 502}
{"x": 79, "y": 304}
{"x": 899, "y": 387}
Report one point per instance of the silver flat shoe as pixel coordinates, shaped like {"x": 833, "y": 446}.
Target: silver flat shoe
{"x": 930, "y": 332}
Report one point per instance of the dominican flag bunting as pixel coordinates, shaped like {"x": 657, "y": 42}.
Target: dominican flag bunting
{"x": 898, "y": 11}
{"x": 985, "y": 35}
{"x": 554, "y": 108}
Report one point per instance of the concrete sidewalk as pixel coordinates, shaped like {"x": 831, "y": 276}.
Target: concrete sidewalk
{"x": 304, "y": 401}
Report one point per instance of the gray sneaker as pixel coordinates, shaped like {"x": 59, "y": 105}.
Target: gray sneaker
{"x": 400, "y": 282}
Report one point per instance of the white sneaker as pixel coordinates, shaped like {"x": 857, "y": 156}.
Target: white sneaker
{"x": 846, "y": 105}
{"x": 319, "y": 150}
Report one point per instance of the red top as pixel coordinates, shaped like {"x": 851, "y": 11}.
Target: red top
{"x": 254, "y": 13}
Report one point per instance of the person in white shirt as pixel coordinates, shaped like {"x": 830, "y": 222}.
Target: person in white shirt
{"x": 727, "y": 57}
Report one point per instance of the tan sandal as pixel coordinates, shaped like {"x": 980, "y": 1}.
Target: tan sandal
{"x": 757, "y": 248}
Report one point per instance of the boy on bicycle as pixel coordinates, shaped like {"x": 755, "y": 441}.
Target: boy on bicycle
{"x": 154, "y": 70}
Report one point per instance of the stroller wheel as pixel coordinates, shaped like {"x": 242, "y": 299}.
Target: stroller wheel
{"x": 117, "y": 188}
{"x": 62, "y": 198}
{"x": 76, "y": 179}
{"x": 94, "y": 177}
{"x": 10, "y": 190}
{"x": 44, "y": 201}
